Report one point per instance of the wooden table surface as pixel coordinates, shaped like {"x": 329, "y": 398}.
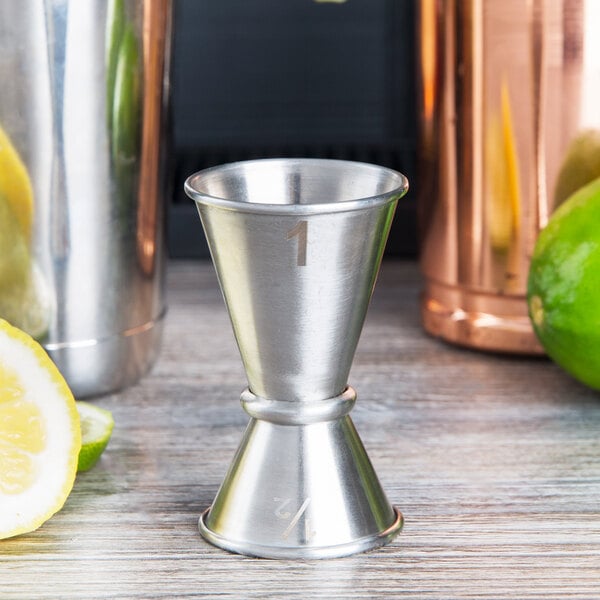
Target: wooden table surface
{"x": 494, "y": 461}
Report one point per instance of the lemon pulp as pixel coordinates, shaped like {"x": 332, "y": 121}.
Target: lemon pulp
{"x": 22, "y": 436}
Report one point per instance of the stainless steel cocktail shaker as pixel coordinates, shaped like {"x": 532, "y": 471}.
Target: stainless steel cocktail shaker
{"x": 82, "y": 121}
{"x": 510, "y": 126}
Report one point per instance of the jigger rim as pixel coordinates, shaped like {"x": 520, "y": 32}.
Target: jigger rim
{"x": 396, "y": 190}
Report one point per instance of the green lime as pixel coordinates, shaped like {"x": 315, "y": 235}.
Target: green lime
{"x": 96, "y": 428}
{"x": 563, "y": 293}
{"x": 15, "y": 185}
{"x": 580, "y": 165}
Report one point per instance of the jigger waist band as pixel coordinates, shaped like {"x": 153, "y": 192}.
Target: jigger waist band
{"x": 288, "y": 412}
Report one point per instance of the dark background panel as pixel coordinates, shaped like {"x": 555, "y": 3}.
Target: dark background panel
{"x": 267, "y": 78}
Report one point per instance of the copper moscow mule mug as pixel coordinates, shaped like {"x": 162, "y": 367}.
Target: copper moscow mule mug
{"x": 509, "y": 95}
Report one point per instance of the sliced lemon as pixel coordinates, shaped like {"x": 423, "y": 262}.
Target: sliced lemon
{"x": 15, "y": 185}
{"x": 40, "y": 435}
{"x": 96, "y": 428}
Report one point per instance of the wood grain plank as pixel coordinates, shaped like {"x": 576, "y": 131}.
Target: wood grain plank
{"x": 494, "y": 461}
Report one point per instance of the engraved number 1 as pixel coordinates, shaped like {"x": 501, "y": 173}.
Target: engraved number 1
{"x": 300, "y": 231}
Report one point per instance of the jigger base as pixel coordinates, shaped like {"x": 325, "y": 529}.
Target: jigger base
{"x": 355, "y": 547}
{"x": 304, "y": 490}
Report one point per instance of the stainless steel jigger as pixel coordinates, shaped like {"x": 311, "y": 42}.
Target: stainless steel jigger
{"x": 297, "y": 244}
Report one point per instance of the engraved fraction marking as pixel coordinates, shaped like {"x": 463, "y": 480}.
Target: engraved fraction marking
{"x": 301, "y": 232}
{"x": 280, "y": 514}
{"x": 283, "y": 502}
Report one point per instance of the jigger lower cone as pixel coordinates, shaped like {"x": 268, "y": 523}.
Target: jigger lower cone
{"x": 297, "y": 244}
{"x": 306, "y": 491}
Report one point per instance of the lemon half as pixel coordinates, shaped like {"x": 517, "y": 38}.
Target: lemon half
{"x": 40, "y": 435}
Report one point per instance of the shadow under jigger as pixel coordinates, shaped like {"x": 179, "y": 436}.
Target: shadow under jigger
{"x": 297, "y": 244}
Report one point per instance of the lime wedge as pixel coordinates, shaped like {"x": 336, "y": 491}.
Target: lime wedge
{"x": 96, "y": 428}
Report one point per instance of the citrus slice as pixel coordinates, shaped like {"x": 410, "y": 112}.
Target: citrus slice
{"x": 15, "y": 185}
{"x": 40, "y": 435}
{"x": 581, "y": 165}
{"x": 96, "y": 428}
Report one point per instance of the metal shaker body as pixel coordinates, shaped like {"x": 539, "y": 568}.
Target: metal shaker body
{"x": 84, "y": 105}
{"x": 509, "y": 92}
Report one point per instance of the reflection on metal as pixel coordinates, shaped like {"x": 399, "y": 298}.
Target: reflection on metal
{"x": 509, "y": 93}
{"x": 85, "y": 111}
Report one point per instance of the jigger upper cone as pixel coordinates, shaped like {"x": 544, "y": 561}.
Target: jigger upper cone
{"x": 297, "y": 244}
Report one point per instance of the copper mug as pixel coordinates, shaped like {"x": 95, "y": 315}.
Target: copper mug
{"x": 509, "y": 99}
